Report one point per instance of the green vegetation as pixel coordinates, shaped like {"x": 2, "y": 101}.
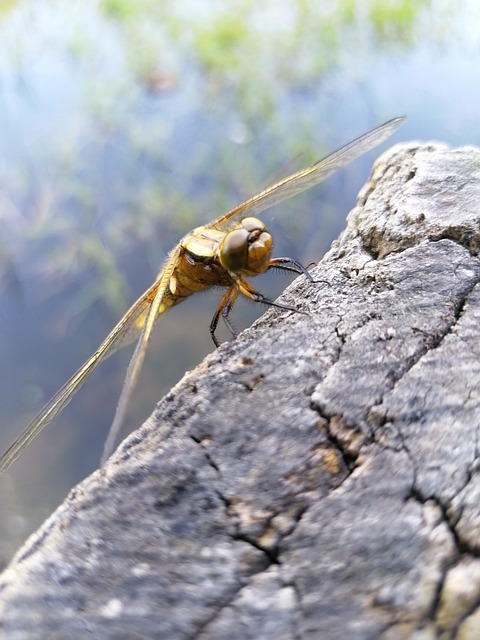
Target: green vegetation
{"x": 6, "y": 6}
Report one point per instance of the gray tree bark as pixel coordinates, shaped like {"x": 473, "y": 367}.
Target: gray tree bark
{"x": 319, "y": 476}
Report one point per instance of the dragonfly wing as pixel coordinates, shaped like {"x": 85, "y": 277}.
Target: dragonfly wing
{"x": 308, "y": 177}
{"x": 138, "y": 357}
{"x": 122, "y": 334}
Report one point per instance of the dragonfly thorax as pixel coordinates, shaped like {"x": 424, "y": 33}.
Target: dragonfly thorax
{"x": 246, "y": 248}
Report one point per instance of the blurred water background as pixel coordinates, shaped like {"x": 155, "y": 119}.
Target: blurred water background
{"x": 125, "y": 123}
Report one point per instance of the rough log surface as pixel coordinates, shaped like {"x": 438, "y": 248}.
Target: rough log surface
{"x": 319, "y": 476}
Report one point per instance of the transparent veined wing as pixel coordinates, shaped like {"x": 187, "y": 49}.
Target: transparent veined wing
{"x": 139, "y": 319}
{"x": 308, "y": 177}
{"x": 138, "y": 357}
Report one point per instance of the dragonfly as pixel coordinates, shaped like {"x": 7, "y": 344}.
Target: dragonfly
{"x": 222, "y": 253}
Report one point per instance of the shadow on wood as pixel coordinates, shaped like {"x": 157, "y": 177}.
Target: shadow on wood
{"x": 319, "y": 476}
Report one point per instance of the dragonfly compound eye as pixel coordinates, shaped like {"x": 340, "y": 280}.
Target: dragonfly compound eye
{"x": 234, "y": 250}
{"x": 259, "y": 252}
{"x": 247, "y": 248}
{"x": 253, "y": 225}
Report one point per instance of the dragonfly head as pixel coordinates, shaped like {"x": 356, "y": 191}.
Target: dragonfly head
{"x": 246, "y": 248}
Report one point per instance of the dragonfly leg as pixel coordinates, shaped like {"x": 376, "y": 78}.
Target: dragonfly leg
{"x": 248, "y": 291}
{"x": 228, "y": 300}
{"x": 224, "y": 308}
{"x": 289, "y": 264}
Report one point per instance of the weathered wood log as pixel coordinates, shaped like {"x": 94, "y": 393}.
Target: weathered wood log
{"x": 319, "y": 476}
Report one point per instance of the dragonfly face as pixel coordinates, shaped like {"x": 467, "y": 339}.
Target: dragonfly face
{"x": 247, "y": 248}
{"x": 222, "y": 253}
